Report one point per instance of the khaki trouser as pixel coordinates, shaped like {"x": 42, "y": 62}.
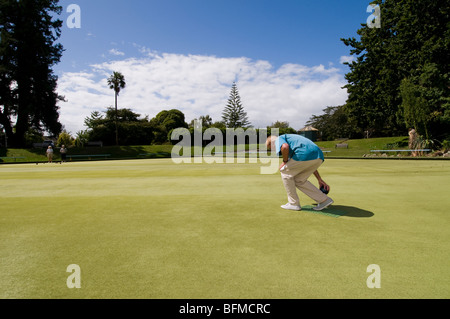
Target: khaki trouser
{"x": 296, "y": 175}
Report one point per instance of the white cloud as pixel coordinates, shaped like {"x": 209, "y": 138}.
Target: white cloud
{"x": 199, "y": 85}
{"x": 347, "y": 59}
{"x": 116, "y": 52}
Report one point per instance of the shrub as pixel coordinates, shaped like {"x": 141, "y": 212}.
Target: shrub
{"x": 65, "y": 139}
{"x": 446, "y": 145}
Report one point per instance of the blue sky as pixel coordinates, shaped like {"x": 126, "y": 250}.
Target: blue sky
{"x": 264, "y": 43}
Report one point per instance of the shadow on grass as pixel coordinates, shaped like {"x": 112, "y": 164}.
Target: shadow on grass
{"x": 354, "y": 212}
{"x": 337, "y": 211}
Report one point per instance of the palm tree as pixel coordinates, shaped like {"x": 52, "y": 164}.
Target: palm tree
{"x": 116, "y": 82}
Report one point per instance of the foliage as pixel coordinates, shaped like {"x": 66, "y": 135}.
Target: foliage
{"x": 283, "y": 128}
{"x": 27, "y": 53}
{"x": 65, "y": 139}
{"x": 219, "y": 124}
{"x": 169, "y": 119}
{"x": 446, "y": 145}
{"x": 93, "y": 120}
{"x": 131, "y": 128}
{"x": 280, "y": 124}
{"x": 334, "y": 123}
{"x": 234, "y": 115}
{"x": 206, "y": 121}
{"x": 116, "y": 82}
{"x": 166, "y": 121}
{"x": 33, "y": 136}
{"x": 412, "y": 46}
{"x": 415, "y": 108}
{"x": 82, "y": 138}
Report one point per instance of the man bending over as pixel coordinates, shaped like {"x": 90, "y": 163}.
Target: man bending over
{"x": 301, "y": 159}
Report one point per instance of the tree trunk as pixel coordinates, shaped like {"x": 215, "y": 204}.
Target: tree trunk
{"x": 117, "y": 130}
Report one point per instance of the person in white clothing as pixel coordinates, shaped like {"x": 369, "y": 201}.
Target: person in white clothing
{"x": 49, "y": 153}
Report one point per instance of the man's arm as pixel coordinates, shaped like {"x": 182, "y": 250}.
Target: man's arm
{"x": 285, "y": 152}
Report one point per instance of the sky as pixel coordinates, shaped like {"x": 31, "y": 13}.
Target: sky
{"x": 285, "y": 57}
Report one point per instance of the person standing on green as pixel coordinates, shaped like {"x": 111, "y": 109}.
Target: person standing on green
{"x": 301, "y": 159}
{"x": 63, "y": 152}
{"x": 49, "y": 153}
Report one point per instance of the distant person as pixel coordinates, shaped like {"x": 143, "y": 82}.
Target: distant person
{"x": 413, "y": 142}
{"x": 50, "y": 154}
{"x": 301, "y": 159}
{"x": 63, "y": 152}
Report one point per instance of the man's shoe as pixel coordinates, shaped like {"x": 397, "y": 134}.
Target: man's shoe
{"x": 291, "y": 207}
{"x": 324, "y": 205}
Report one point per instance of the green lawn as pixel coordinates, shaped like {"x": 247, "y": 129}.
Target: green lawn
{"x": 152, "y": 229}
{"x": 357, "y": 148}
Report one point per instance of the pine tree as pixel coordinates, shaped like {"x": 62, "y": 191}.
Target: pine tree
{"x": 234, "y": 115}
{"x": 27, "y": 53}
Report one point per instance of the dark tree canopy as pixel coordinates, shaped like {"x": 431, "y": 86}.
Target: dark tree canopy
{"x": 411, "y": 47}
{"x": 28, "y": 98}
{"x": 332, "y": 124}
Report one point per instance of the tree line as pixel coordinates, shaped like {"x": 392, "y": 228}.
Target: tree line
{"x": 399, "y": 78}
{"x": 134, "y": 129}
{"x": 122, "y": 126}
{"x": 131, "y": 128}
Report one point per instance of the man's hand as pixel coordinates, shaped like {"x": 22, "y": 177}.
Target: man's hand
{"x": 324, "y": 185}
{"x": 322, "y": 182}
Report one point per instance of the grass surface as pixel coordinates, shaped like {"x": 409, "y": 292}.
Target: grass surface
{"x": 357, "y": 148}
{"x": 153, "y": 229}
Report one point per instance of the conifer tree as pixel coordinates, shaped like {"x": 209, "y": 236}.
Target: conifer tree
{"x": 28, "y": 50}
{"x": 234, "y": 115}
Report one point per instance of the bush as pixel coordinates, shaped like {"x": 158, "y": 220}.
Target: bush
{"x": 33, "y": 136}
{"x": 130, "y": 133}
{"x": 82, "y": 138}
{"x": 65, "y": 139}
